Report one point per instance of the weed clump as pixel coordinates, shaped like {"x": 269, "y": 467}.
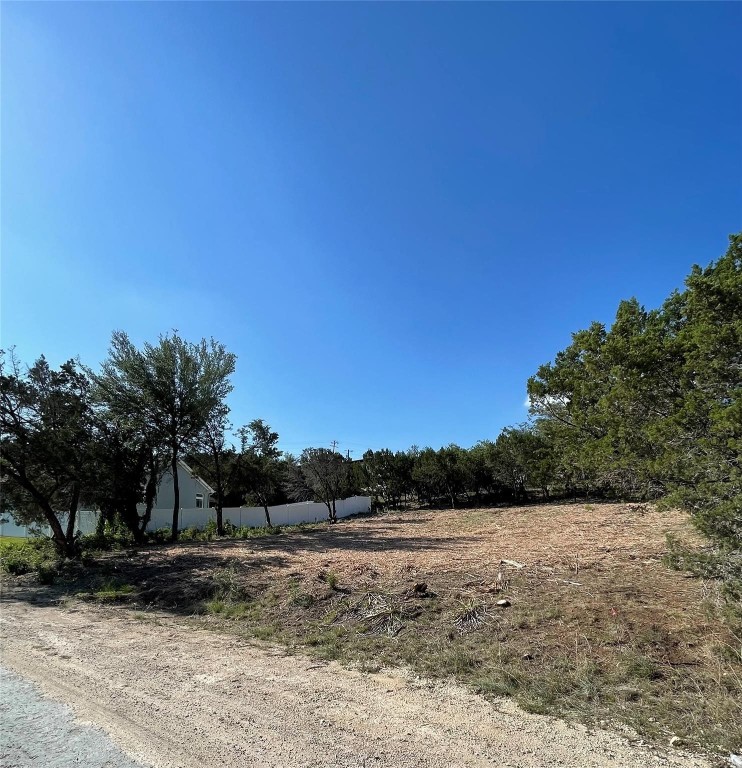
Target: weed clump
{"x": 20, "y": 556}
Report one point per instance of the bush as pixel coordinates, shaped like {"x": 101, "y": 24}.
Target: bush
{"x": 247, "y": 532}
{"x": 17, "y": 562}
{"x": 19, "y": 556}
{"x": 46, "y": 571}
{"x": 330, "y": 578}
{"x": 113, "y": 590}
{"x": 109, "y": 540}
{"x": 160, "y": 536}
{"x": 191, "y": 534}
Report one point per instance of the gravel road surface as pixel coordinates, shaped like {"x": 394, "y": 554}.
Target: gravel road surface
{"x": 36, "y": 731}
{"x": 171, "y": 695}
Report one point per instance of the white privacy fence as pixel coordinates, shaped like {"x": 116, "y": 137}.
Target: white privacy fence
{"x": 254, "y": 517}
{"x": 85, "y": 522}
{"x": 251, "y": 517}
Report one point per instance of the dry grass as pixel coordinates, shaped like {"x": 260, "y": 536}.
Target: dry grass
{"x": 598, "y": 628}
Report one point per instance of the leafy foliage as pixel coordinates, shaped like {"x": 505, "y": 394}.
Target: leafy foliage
{"x": 46, "y": 444}
{"x": 259, "y": 467}
{"x": 653, "y": 406}
{"x": 320, "y": 474}
{"x": 170, "y": 391}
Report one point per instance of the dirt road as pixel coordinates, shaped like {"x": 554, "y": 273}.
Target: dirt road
{"x": 171, "y": 695}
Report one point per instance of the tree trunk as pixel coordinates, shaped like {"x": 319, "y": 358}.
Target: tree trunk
{"x": 135, "y": 526}
{"x": 329, "y": 511}
{"x": 219, "y": 496}
{"x": 60, "y": 542}
{"x": 150, "y": 493}
{"x": 176, "y": 494}
{"x": 522, "y": 493}
{"x": 72, "y": 519}
{"x": 267, "y": 516}
{"x": 333, "y": 514}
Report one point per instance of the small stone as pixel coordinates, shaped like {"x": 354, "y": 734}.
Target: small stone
{"x": 503, "y": 603}
{"x": 675, "y": 741}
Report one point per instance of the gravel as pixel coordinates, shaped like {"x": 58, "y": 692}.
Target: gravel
{"x": 37, "y": 732}
{"x": 171, "y": 695}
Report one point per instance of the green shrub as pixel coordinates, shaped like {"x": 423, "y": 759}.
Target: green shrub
{"x": 246, "y": 532}
{"x": 190, "y": 534}
{"x": 19, "y": 556}
{"x": 721, "y": 563}
{"x": 160, "y": 536}
{"x": 46, "y": 571}
{"x": 331, "y": 579}
{"x": 17, "y": 563}
{"x": 303, "y": 600}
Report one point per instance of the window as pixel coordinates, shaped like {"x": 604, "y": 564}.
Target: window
{"x": 199, "y": 501}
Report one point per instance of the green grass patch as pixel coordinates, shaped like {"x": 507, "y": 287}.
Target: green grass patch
{"x": 113, "y": 590}
{"x": 226, "y": 610}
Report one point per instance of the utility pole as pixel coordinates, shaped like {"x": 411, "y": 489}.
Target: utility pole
{"x": 334, "y": 445}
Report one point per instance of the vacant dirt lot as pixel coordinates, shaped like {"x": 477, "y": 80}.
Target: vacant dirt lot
{"x": 596, "y": 629}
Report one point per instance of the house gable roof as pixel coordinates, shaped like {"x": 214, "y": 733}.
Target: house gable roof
{"x": 195, "y": 476}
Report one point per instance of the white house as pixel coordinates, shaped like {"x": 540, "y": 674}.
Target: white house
{"x": 195, "y": 492}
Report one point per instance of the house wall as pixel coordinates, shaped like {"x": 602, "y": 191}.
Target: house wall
{"x": 188, "y": 485}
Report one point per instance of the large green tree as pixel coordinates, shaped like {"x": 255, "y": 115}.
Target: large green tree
{"x": 216, "y": 458}
{"x": 320, "y": 474}
{"x": 46, "y": 444}
{"x": 169, "y": 390}
{"x": 127, "y": 467}
{"x": 441, "y": 473}
{"x": 387, "y": 475}
{"x": 653, "y": 406}
{"x": 259, "y": 468}
{"x": 702, "y": 433}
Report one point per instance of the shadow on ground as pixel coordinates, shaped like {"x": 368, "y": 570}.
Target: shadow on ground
{"x": 180, "y": 578}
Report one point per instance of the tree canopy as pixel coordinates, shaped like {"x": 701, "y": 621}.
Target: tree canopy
{"x": 169, "y": 390}
{"x": 649, "y": 407}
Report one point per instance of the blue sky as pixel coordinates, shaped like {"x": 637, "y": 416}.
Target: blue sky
{"x": 392, "y": 213}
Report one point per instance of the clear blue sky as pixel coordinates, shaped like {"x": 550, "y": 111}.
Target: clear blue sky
{"x": 392, "y": 213}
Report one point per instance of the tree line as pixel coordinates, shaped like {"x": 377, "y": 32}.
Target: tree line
{"x": 75, "y": 438}
{"x": 652, "y": 406}
{"x": 649, "y": 408}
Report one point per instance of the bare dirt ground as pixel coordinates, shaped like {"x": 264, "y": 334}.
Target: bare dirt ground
{"x": 173, "y": 696}
{"x": 158, "y": 645}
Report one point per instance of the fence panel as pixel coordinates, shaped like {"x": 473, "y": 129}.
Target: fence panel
{"x": 251, "y": 517}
